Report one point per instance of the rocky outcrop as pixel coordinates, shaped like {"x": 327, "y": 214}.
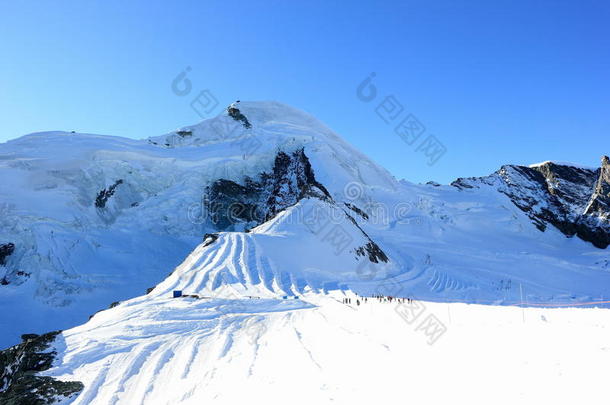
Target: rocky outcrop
{"x": 6, "y": 249}
{"x": 20, "y": 383}
{"x": 184, "y": 133}
{"x": 373, "y": 252}
{"x": 594, "y": 224}
{"x": 233, "y": 206}
{"x": 599, "y": 205}
{"x": 370, "y": 249}
{"x": 237, "y": 115}
{"x": 209, "y": 238}
{"x": 15, "y": 277}
{"x": 575, "y": 200}
{"x": 357, "y": 210}
{"x": 105, "y": 194}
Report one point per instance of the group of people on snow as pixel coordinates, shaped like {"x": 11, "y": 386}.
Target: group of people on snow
{"x": 379, "y": 297}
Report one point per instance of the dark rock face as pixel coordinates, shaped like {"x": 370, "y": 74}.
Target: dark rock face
{"x": 373, "y": 251}
{"x": 19, "y": 365}
{"x": 575, "y": 200}
{"x": 6, "y": 250}
{"x": 463, "y": 183}
{"x": 357, "y": 210}
{"x": 370, "y": 249}
{"x": 256, "y": 201}
{"x": 184, "y": 134}
{"x": 105, "y": 194}
{"x": 600, "y": 200}
{"x": 231, "y": 205}
{"x": 238, "y": 116}
{"x": 594, "y": 224}
{"x": 15, "y": 277}
{"x": 209, "y": 238}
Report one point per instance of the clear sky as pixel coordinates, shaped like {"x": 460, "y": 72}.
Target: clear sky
{"x": 495, "y": 81}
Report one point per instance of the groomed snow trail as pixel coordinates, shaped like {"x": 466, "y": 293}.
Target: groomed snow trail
{"x": 318, "y": 350}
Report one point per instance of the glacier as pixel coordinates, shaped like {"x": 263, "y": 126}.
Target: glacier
{"x": 265, "y": 228}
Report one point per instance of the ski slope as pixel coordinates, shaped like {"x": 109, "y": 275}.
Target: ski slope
{"x": 318, "y": 350}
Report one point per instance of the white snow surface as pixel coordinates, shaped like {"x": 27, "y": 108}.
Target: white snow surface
{"x": 443, "y": 244}
{"x": 563, "y": 163}
{"x": 269, "y": 325}
{"x": 318, "y": 350}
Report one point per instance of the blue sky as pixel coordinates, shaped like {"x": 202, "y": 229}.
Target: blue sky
{"x": 495, "y": 82}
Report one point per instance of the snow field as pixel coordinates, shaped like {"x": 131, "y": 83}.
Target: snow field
{"x": 319, "y": 350}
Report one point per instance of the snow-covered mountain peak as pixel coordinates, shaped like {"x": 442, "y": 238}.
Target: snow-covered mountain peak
{"x": 560, "y": 163}
{"x": 87, "y": 219}
{"x": 571, "y": 197}
{"x": 257, "y": 130}
{"x": 270, "y": 113}
{"x": 251, "y": 119}
{"x": 259, "y": 215}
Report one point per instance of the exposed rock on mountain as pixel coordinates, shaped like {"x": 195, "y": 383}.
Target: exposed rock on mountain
{"x": 599, "y": 205}
{"x": 19, "y": 365}
{"x": 595, "y": 222}
{"x": 83, "y": 239}
{"x": 237, "y": 115}
{"x": 234, "y": 206}
{"x": 6, "y": 250}
{"x": 373, "y": 251}
{"x": 105, "y": 194}
{"x": 571, "y": 198}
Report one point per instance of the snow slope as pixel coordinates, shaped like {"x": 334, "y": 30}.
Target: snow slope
{"x": 73, "y": 258}
{"x": 97, "y": 219}
{"x": 318, "y": 350}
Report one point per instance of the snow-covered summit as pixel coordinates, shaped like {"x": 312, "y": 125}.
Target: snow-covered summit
{"x": 561, "y": 195}
{"x": 561, "y": 163}
{"x": 255, "y": 126}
